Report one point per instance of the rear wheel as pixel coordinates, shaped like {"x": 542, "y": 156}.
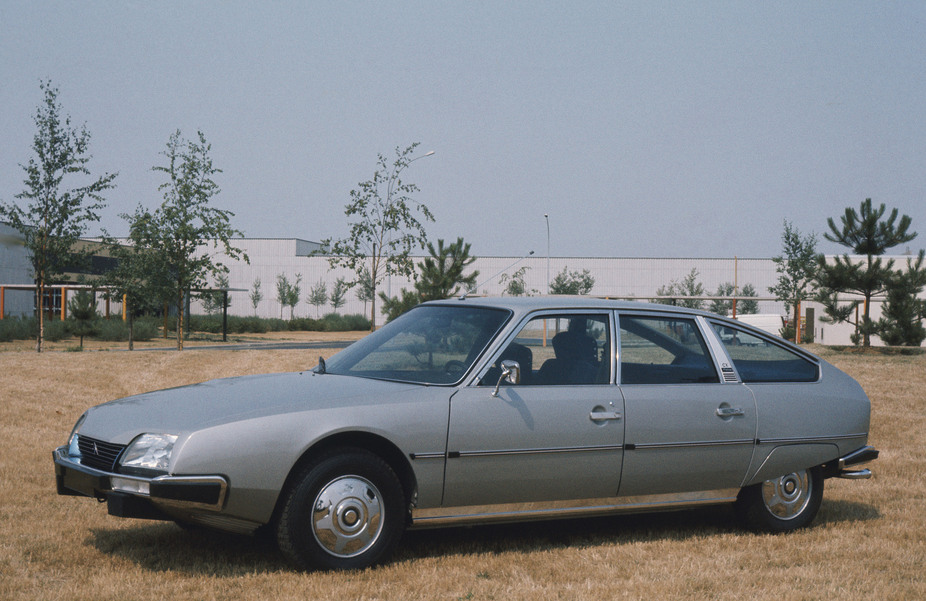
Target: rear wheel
{"x": 344, "y": 511}
{"x": 782, "y": 504}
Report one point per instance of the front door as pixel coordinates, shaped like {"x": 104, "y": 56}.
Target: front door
{"x": 557, "y": 435}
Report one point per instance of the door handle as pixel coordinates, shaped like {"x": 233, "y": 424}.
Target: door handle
{"x": 730, "y": 412}
{"x": 600, "y": 416}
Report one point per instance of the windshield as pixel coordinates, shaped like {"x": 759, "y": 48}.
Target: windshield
{"x": 431, "y": 344}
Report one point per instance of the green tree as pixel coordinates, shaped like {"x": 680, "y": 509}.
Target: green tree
{"x": 384, "y": 225}
{"x": 256, "y": 295}
{"x": 722, "y": 307}
{"x": 901, "y": 322}
{"x": 441, "y": 273}
{"x": 339, "y": 293}
{"x": 214, "y": 300}
{"x": 397, "y": 305}
{"x": 288, "y": 293}
{"x": 689, "y": 286}
{"x": 318, "y": 296}
{"x": 745, "y": 306}
{"x": 60, "y": 199}
{"x": 865, "y": 233}
{"x": 797, "y": 270}
{"x": 282, "y": 292}
{"x": 185, "y": 229}
{"x": 572, "y": 282}
{"x": 440, "y": 276}
{"x": 514, "y": 283}
{"x": 82, "y": 311}
{"x": 139, "y": 279}
{"x": 365, "y": 287}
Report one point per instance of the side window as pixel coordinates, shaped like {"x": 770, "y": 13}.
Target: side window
{"x": 761, "y": 360}
{"x": 663, "y": 350}
{"x": 558, "y": 351}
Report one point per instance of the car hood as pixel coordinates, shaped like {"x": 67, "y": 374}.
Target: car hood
{"x": 190, "y": 408}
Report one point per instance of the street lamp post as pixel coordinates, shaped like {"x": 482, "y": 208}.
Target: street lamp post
{"x": 547, "y": 217}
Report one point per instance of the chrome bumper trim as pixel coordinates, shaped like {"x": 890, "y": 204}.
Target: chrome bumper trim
{"x": 862, "y": 455}
{"x": 189, "y": 492}
{"x": 854, "y": 474}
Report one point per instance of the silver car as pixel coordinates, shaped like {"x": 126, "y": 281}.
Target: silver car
{"x": 485, "y": 410}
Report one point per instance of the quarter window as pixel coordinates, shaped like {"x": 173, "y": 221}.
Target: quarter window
{"x": 761, "y": 360}
{"x": 663, "y": 350}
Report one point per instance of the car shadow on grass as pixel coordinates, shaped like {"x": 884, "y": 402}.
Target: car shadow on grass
{"x": 162, "y": 547}
{"x": 165, "y": 546}
{"x": 560, "y": 534}
{"x": 614, "y": 530}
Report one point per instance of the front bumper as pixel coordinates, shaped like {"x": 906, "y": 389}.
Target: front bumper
{"x": 133, "y": 496}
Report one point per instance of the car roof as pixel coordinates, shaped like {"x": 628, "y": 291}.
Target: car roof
{"x": 526, "y": 304}
{"x": 523, "y": 305}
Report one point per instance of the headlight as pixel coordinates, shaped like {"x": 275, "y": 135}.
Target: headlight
{"x": 149, "y": 452}
{"x": 73, "y": 449}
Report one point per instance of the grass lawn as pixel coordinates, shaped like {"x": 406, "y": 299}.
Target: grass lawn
{"x": 868, "y": 542}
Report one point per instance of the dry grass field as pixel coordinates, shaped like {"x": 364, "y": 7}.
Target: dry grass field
{"x": 868, "y": 542}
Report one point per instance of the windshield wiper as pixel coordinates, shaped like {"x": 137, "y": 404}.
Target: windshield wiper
{"x": 320, "y": 368}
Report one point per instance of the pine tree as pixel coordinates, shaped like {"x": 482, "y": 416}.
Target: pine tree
{"x": 901, "y": 322}
{"x": 865, "y": 233}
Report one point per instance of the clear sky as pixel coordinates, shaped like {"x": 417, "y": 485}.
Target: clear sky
{"x": 666, "y": 129}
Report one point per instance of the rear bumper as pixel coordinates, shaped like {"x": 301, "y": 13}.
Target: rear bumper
{"x": 844, "y": 467}
{"x": 133, "y": 496}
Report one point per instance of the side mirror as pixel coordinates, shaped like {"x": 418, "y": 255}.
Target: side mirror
{"x": 511, "y": 373}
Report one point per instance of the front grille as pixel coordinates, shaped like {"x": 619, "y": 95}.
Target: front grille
{"x": 98, "y": 454}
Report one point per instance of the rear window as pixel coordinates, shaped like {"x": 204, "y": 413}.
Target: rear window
{"x": 759, "y": 359}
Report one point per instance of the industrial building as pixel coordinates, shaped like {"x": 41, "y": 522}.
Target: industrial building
{"x": 297, "y": 259}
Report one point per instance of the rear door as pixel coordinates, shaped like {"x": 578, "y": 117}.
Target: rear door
{"x": 686, "y": 430}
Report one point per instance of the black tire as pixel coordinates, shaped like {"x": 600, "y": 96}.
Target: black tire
{"x": 344, "y": 511}
{"x": 782, "y": 504}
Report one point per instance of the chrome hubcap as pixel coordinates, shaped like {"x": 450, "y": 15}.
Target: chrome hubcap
{"x": 788, "y": 496}
{"x": 347, "y": 517}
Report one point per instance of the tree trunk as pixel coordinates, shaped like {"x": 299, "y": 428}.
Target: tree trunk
{"x": 797, "y": 321}
{"x": 41, "y": 306}
{"x": 373, "y": 314}
{"x": 131, "y": 332}
{"x": 180, "y": 320}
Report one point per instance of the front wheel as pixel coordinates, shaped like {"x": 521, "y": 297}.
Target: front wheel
{"x": 344, "y": 511}
{"x": 782, "y": 504}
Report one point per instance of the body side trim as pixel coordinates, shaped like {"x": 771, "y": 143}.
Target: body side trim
{"x": 518, "y": 512}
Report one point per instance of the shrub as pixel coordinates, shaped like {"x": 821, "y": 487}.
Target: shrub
{"x": 116, "y": 330}
{"x": 306, "y": 324}
{"x": 146, "y": 328}
{"x": 56, "y": 330}
{"x": 346, "y": 323}
{"x": 16, "y": 328}
{"x": 112, "y": 330}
